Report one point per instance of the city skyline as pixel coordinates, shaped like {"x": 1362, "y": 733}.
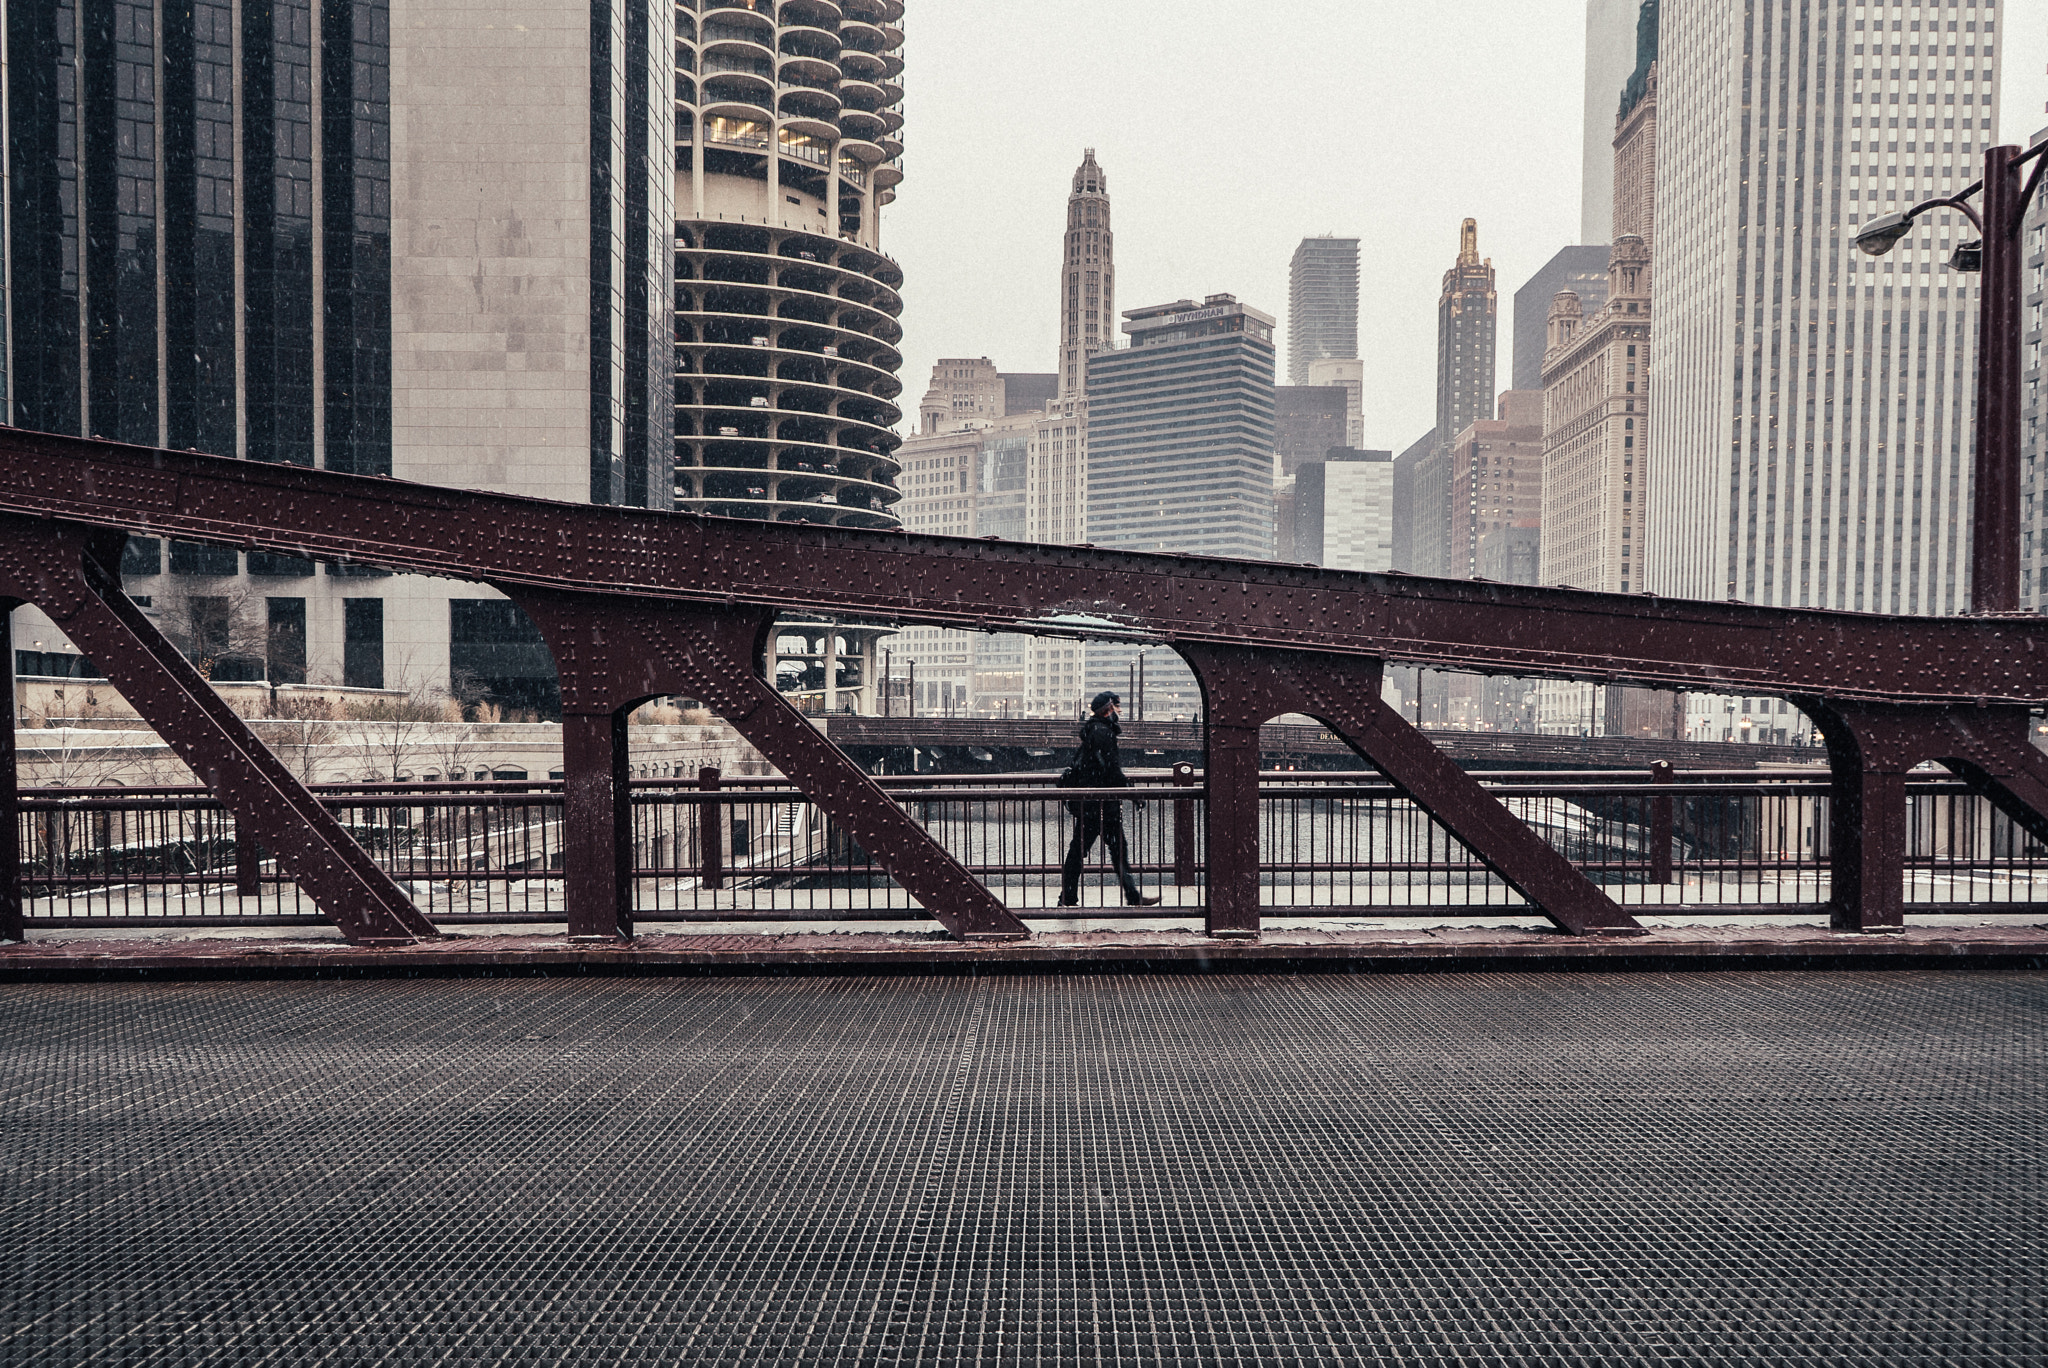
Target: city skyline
{"x": 1504, "y": 98}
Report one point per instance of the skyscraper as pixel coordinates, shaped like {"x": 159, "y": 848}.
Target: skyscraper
{"x": 1465, "y": 343}
{"x": 1180, "y": 452}
{"x": 1610, "y": 55}
{"x": 1322, "y": 304}
{"x": 387, "y": 267}
{"x": 1812, "y": 424}
{"x": 1466, "y": 314}
{"x": 788, "y": 145}
{"x": 1087, "y": 277}
{"x": 1180, "y": 442}
{"x": 1580, "y": 269}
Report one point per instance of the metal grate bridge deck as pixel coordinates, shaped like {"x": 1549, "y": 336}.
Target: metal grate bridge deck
{"x": 1087, "y": 1168}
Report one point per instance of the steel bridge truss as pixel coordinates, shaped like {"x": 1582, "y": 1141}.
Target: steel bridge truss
{"x": 637, "y": 605}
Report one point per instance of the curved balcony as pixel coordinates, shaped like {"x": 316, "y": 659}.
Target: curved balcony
{"x": 890, "y": 172}
{"x": 858, "y": 33}
{"x": 810, "y": 44}
{"x": 893, "y": 145}
{"x": 865, "y": 66}
{"x": 861, "y": 123}
{"x": 861, "y": 149}
{"x": 824, "y": 14}
{"x": 736, "y": 40}
{"x": 733, "y": 333}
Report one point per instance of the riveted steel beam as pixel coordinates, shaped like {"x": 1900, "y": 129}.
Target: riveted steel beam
{"x": 69, "y": 572}
{"x": 1448, "y": 624}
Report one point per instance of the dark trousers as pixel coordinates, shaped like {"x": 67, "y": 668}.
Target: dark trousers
{"x": 1105, "y": 820}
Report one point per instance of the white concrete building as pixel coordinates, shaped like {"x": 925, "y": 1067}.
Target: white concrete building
{"x": 1812, "y": 424}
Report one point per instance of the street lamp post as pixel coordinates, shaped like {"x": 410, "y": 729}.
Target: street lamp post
{"x": 1995, "y": 514}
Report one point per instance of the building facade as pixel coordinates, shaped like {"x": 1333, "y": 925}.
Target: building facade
{"x": 1596, "y": 452}
{"x": 788, "y": 145}
{"x": 1322, "y": 304}
{"x": 1343, "y": 510}
{"x": 1350, "y": 374}
{"x": 1180, "y": 455}
{"x": 1180, "y": 432}
{"x": 1610, "y": 55}
{"x": 1496, "y": 478}
{"x": 314, "y": 232}
{"x": 1812, "y": 426}
{"x": 1581, "y": 270}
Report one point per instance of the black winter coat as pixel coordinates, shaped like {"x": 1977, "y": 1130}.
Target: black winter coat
{"x": 1098, "y": 763}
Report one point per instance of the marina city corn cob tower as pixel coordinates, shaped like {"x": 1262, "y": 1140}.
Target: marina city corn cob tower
{"x": 787, "y": 145}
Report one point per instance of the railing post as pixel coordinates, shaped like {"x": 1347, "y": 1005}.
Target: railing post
{"x": 1660, "y": 825}
{"x": 710, "y": 831}
{"x": 597, "y": 826}
{"x": 1184, "y": 828}
{"x": 12, "y": 923}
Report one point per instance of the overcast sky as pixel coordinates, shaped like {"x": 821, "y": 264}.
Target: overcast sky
{"x": 1230, "y": 131}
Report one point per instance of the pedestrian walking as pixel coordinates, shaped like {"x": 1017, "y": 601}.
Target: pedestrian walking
{"x": 1098, "y": 766}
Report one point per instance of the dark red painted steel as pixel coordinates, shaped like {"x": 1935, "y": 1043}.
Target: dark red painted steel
{"x": 711, "y": 838}
{"x": 944, "y": 581}
{"x": 1661, "y": 824}
{"x": 1184, "y": 872}
{"x": 611, "y": 656}
{"x": 1242, "y": 687}
{"x": 1995, "y": 545}
{"x": 636, "y": 604}
{"x": 10, "y": 794}
{"x": 63, "y": 570}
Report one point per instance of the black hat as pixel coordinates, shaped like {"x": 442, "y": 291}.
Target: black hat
{"x": 1103, "y": 700}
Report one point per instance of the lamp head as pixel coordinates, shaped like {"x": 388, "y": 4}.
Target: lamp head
{"x": 1968, "y": 256}
{"x": 1881, "y": 234}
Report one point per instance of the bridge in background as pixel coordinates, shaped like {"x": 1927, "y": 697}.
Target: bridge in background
{"x": 976, "y": 745}
{"x": 636, "y": 604}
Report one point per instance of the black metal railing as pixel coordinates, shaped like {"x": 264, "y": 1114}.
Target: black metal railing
{"x": 756, "y": 850}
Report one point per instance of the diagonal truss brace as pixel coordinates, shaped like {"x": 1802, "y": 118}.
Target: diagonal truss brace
{"x": 1243, "y": 686}
{"x": 66, "y": 571}
{"x": 612, "y": 655}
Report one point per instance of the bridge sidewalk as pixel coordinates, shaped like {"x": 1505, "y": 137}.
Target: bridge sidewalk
{"x": 174, "y": 955}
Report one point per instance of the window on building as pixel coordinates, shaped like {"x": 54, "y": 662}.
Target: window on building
{"x": 362, "y": 643}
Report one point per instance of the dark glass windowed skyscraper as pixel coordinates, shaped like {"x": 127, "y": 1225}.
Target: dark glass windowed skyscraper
{"x": 288, "y": 231}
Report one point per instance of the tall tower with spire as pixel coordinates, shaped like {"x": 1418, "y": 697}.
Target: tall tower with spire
{"x": 1465, "y": 316}
{"x": 1087, "y": 277}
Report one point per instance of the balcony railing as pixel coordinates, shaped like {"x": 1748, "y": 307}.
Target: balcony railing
{"x": 1331, "y": 845}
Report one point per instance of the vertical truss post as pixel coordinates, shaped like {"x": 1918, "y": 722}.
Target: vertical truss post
{"x": 1867, "y": 849}
{"x": 597, "y": 825}
{"x": 1232, "y": 762}
{"x": 1868, "y": 757}
{"x": 13, "y": 926}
